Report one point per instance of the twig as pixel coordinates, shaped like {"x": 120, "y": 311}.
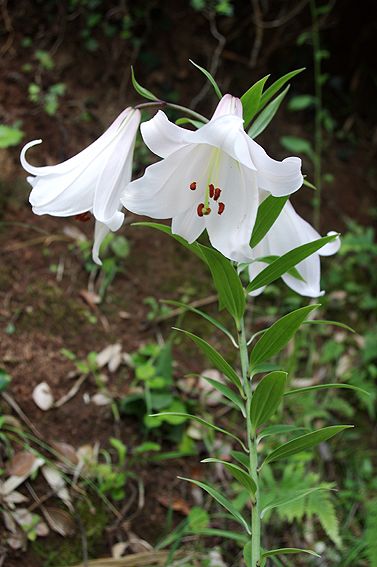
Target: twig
{"x": 258, "y": 34}
{"x": 72, "y": 392}
{"x": 14, "y": 405}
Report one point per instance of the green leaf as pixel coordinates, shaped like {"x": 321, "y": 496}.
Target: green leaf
{"x": 227, "y": 392}
{"x": 277, "y": 85}
{"x": 247, "y": 554}
{"x": 216, "y": 358}
{"x": 227, "y": 534}
{"x": 198, "y": 519}
{"x": 242, "y": 458}
{"x": 293, "y": 497}
{"x": 278, "y": 335}
{"x": 227, "y": 283}
{"x": 301, "y": 102}
{"x": 325, "y": 322}
{"x": 10, "y": 136}
{"x": 267, "y": 397}
{"x": 141, "y": 90}
{"x": 209, "y": 77}
{"x": 323, "y": 387}
{"x": 288, "y": 261}
{"x": 197, "y": 123}
{"x": 370, "y": 532}
{"x": 5, "y": 380}
{"x": 268, "y": 212}
{"x": 251, "y": 99}
{"x": 279, "y": 430}
{"x": 238, "y": 473}
{"x": 304, "y": 442}
{"x": 222, "y": 500}
{"x": 187, "y": 416}
{"x": 211, "y": 320}
{"x": 288, "y": 550}
{"x": 321, "y": 506}
{"x": 265, "y": 117}
{"x": 298, "y": 146}
{"x": 292, "y": 272}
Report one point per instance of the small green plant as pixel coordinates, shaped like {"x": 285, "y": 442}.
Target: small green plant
{"x": 10, "y": 135}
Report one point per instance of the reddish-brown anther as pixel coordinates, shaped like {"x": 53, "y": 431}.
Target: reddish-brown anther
{"x": 211, "y": 190}
{"x": 83, "y": 217}
{"x": 193, "y": 186}
{"x": 199, "y": 210}
{"x": 221, "y": 209}
{"x": 217, "y": 193}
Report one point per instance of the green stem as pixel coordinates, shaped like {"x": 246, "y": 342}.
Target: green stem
{"x": 163, "y": 104}
{"x": 253, "y": 456}
{"x": 318, "y": 142}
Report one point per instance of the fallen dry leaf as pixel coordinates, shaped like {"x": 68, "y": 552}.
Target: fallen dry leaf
{"x": 91, "y": 298}
{"x": 59, "y": 521}
{"x": 118, "y": 549}
{"x": 110, "y": 356}
{"x": 178, "y": 504}
{"x": 21, "y": 464}
{"x": 66, "y": 451}
{"x": 101, "y": 399}
{"x": 43, "y": 397}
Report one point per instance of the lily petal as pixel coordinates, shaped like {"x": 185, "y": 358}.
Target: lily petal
{"x": 162, "y": 136}
{"x": 228, "y": 105}
{"x": 278, "y": 177}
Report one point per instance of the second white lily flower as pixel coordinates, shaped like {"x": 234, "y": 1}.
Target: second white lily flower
{"x": 91, "y": 181}
{"x": 210, "y": 179}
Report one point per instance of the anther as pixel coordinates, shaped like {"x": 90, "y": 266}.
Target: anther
{"x": 221, "y": 208}
{"x": 211, "y": 190}
{"x": 83, "y": 217}
{"x": 199, "y": 210}
{"x": 217, "y": 193}
{"x": 193, "y": 186}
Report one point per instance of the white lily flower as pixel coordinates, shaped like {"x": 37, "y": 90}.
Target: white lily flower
{"x": 210, "y": 179}
{"x": 289, "y": 231}
{"x": 89, "y": 182}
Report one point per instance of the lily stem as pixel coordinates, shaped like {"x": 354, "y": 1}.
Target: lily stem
{"x": 252, "y": 446}
{"x": 164, "y": 104}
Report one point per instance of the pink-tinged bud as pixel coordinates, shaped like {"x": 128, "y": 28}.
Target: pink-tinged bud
{"x": 193, "y": 186}
{"x": 199, "y": 210}
{"x": 207, "y": 211}
{"x": 83, "y": 217}
{"x": 211, "y": 190}
{"x": 217, "y": 193}
{"x": 221, "y": 209}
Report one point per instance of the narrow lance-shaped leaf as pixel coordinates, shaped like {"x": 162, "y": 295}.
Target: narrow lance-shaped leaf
{"x": 209, "y": 77}
{"x": 141, "y": 90}
{"x": 284, "y": 263}
{"x": 276, "y": 86}
{"x": 251, "y": 99}
{"x": 265, "y": 117}
{"x": 201, "y": 421}
{"x": 325, "y": 322}
{"x": 268, "y": 212}
{"x": 228, "y": 393}
{"x": 227, "y": 283}
{"x": 289, "y": 550}
{"x": 292, "y": 497}
{"x": 304, "y": 442}
{"x": 205, "y": 316}
{"x": 225, "y": 502}
{"x": 197, "y": 123}
{"x": 239, "y": 474}
{"x": 267, "y": 397}
{"x": 325, "y": 387}
{"x": 216, "y": 358}
{"x": 278, "y": 335}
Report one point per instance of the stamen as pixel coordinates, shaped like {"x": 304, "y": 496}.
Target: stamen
{"x": 221, "y": 208}
{"x": 83, "y": 217}
{"x": 211, "y": 190}
{"x": 193, "y": 186}
{"x": 199, "y": 210}
{"x": 217, "y": 193}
